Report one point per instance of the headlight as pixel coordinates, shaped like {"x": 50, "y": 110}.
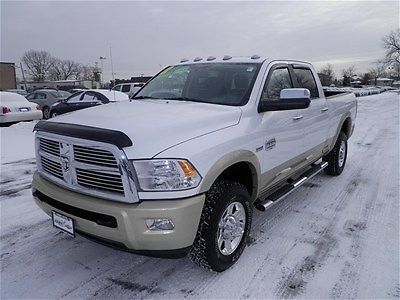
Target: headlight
{"x": 166, "y": 174}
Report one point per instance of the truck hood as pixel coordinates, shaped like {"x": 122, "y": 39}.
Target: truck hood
{"x": 155, "y": 125}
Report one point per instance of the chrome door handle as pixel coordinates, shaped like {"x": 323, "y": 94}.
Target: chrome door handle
{"x": 297, "y": 117}
{"x": 325, "y": 109}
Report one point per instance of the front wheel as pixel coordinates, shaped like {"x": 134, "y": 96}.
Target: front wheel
{"x": 224, "y": 226}
{"x": 336, "y": 158}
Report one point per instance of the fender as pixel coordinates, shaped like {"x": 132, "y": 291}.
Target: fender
{"x": 345, "y": 118}
{"x": 228, "y": 160}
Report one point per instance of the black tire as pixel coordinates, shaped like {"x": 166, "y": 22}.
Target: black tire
{"x": 205, "y": 251}
{"x": 46, "y": 113}
{"x": 335, "y": 158}
{"x": 53, "y": 114}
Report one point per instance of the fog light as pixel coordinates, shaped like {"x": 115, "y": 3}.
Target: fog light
{"x": 160, "y": 224}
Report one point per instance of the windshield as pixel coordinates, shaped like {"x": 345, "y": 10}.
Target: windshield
{"x": 217, "y": 83}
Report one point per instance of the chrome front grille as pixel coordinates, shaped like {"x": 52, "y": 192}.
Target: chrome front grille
{"x": 100, "y": 180}
{"x": 95, "y": 156}
{"x": 52, "y": 167}
{"x": 50, "y": 146}
{"x": 86, "y": 166}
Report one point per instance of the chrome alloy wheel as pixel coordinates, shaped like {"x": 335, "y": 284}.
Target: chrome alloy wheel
{"x": 342, "y": 153}
{"x": 231, "y": 228}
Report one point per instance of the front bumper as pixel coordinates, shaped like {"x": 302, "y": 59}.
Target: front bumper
{"x": 130, "y": 230}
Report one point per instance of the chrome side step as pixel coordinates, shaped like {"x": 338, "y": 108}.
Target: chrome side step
{"x": 287, "y": 189}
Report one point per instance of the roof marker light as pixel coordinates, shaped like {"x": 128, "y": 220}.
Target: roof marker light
{"x": 184, "y": 60}
{"x": 255, "y": 56}
{"x": 227, "y": 57}
{"x": 211, "y": 58}
{"x": 197, "y": 59}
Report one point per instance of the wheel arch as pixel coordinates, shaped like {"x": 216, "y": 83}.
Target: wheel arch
{"x": 345, "y": 125}
{"x": 241, "y": 166}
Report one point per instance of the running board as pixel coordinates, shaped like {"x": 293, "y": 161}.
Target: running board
{"x": 287, "y": 189}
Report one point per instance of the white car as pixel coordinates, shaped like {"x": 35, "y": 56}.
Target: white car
{"x": 128, "y": 88}
{"x": 15, "y": 108}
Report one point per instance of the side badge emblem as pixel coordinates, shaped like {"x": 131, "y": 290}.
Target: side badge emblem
{"x": 270, "y": 144}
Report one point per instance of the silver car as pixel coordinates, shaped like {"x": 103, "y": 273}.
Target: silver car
{"x": 46, "y": 98}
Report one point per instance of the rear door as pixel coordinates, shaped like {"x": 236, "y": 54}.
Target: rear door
{"x": 316, "y": 117}
{"x": 282, "y": 130}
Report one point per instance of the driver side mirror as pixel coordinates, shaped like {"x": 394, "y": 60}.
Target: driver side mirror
{"x": 295, "y": 98}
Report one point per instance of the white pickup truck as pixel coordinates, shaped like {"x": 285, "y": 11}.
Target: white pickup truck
{"x": 179, "y": 168}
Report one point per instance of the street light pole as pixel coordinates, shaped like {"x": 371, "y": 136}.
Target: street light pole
{"x": 112, "y": 67}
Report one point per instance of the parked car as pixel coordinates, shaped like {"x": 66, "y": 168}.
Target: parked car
{"x": 180, "y": 167}
{"x": 85, "y": 99}
{"x": 45, "y": 98}
{"x": 128, "y": 88}
{"x": 18, "y": 91}
{"x": 15, "y": 108}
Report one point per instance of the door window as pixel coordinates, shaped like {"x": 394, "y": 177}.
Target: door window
{"x": 74, "y": 98}
{"x": 89, "y": 97}
{"x": 305, "y": 80}
{"x": 117, "y": 88}
{"x": 31, "y": 96}
{"x": 40, "y": 96}
{"x": 279, "y": 80}
{"x": 126, "y": 88}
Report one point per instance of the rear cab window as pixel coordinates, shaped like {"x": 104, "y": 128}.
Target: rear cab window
{"x": 306, "y": 80}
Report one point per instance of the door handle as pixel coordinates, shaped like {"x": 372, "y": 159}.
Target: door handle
{"x": 297, "y": 118}
{"x": 325, "y": 109}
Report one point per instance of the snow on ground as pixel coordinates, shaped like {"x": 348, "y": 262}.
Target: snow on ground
{"x": 333, "y": 237}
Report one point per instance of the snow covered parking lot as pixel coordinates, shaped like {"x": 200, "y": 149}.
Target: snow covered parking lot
{"x": 334, "y": 237}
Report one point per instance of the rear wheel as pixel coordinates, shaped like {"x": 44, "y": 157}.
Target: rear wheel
{"x": 46, "y": 113}
{"x": 337, "y": 157}
{"x": 224, "y": 226}
{"x": 54, "y": 114}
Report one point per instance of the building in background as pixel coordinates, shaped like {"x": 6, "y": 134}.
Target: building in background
{"x": 8, "y": 78}
{"x": 60, "y": 85}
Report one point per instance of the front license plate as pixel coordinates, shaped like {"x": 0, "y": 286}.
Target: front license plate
{"x": 24, "y": 109}
{"x": 64, "y": 223}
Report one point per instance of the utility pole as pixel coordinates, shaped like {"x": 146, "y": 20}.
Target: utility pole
{"x": 23, "y": 75}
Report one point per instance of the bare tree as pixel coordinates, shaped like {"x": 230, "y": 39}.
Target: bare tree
{"x": 328, "y": 75}
{"x": 85, "y": 72}
{"x": 391, "y": 44}
{"x": 378, "y": 71}
{"x": 38, "y": 64}
{"x": 347, "y": 73}
{"x": 64, "y": 69}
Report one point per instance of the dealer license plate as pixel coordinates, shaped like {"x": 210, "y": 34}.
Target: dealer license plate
{"x": 64, "y": 223}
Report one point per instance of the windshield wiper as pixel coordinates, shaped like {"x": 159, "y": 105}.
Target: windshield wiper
{"x": 183, "y": 99}
{"x": 144, "y": 97}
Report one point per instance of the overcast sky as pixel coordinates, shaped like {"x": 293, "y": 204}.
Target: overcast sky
{"x": 146, "y": 36}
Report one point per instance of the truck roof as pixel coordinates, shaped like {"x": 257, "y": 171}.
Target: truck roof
{"x": 234, "y": 59}
{"x": 224, "y": 59}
